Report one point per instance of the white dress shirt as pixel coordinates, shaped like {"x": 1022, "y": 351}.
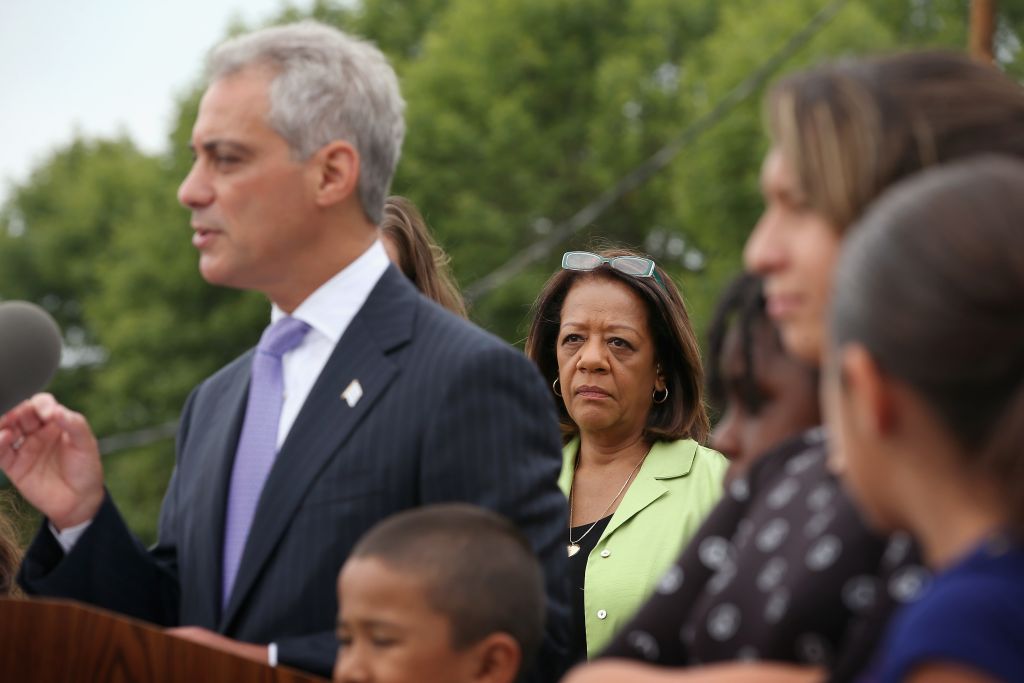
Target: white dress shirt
{"x": 328, "y": 311}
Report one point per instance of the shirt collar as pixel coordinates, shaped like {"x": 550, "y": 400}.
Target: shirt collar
{"x": 333, "y": 305}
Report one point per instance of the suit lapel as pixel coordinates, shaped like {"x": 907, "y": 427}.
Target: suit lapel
{"x": 665, "y": 461}
{"x": 326, "y": 420}
{"x": 214, "y": 458}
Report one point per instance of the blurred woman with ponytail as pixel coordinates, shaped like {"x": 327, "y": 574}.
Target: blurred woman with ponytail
{"x": 924, "y": 394}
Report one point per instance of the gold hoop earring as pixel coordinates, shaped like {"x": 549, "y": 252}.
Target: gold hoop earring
{"x": 554, "y": 388}
{"x": 654, "y": 396}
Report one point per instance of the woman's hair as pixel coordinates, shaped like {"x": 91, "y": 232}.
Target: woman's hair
{"x": 10, "y": 550}
{"x": 852, "y": 128}
{"x": 683, "y": 414}
{"x": 931, "y": 283}
{"x": 419, "y": 256}
{"x": 742, "y": 304}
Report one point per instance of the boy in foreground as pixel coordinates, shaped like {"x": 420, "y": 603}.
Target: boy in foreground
{"x": 449, "y": 593}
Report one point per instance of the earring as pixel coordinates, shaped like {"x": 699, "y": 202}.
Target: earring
{"x": 664, "y": 397}
{"x": 554, "y": 388}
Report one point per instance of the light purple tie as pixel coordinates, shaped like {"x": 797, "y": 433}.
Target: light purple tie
{"x": 257, "y": 445}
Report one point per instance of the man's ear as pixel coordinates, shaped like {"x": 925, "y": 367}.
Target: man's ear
{"x": 868, "y": 390}
{"x": 498, "y": 658}
{"x": 336, "y": 169}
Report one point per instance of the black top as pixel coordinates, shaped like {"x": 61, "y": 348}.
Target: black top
{"x": 783, "y": 569}
{"x": 577, "y": 581}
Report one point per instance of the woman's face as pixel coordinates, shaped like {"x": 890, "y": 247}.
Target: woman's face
{"x": 794, "y": 249}
{"x": 784, "y": 401}
{"x": 606, "y": 365}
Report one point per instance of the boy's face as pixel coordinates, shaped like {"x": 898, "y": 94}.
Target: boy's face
{"x": 388, "y": 631}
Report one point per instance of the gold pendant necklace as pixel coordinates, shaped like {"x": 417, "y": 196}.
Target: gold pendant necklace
{"x": 574, "y": 546}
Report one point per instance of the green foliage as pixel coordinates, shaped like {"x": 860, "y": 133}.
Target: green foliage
{"x": 137, "y": 479}
{"x": 59, "y": 224}
{"x": 520, "y": 112}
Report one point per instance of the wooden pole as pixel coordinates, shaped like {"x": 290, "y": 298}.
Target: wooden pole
{"x": 982, "y": 30}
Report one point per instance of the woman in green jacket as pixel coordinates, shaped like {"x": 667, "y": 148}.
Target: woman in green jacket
{"x": 612, "y": 335}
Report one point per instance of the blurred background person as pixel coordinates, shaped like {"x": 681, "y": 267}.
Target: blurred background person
{"x": 611, "y": 334}
{"x": 925, "y": 400}
{"x": 765, "y": 395}
{"x": 412, "y": 248}
{"x": 785, "y": 568}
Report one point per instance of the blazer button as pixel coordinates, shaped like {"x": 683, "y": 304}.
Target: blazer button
{"x": 601, "y": 614}
{"x": 606, "y": 553}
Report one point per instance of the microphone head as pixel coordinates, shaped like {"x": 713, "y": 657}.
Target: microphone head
{"x": 30, "y": 345}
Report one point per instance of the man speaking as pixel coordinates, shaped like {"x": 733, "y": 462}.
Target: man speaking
{"x": 361, "y": 399}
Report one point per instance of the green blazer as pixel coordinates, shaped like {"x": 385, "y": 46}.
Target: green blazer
{"x": 671, "y": 495}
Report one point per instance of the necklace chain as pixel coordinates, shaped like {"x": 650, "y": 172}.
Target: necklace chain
{"x": 575, "y": 543}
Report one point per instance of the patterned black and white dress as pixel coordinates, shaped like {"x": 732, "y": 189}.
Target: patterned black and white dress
{"x": 783, "y": 569}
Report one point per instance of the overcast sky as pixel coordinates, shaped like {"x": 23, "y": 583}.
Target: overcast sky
{"x": 101, "y": 67}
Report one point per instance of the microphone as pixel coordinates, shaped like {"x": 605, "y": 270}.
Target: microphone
{"x": 30, "y": 345}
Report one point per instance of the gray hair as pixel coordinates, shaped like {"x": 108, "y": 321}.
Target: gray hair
{"x": 328, "y": 86}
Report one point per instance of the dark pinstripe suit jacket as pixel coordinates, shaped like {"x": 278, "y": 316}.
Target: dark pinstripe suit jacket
{"x": 448, "y": 413}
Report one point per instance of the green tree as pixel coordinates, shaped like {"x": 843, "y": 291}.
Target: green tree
{"x": 521, "y": 112}
{"x": 55, "y": 249}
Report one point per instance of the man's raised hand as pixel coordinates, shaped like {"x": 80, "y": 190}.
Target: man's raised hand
{"x": 51, "y": 456}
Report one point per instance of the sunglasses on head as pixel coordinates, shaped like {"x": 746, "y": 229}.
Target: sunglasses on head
{"x": 637, "y": 266}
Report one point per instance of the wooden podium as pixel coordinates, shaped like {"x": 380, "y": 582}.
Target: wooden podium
{"x": 60, "y": 641}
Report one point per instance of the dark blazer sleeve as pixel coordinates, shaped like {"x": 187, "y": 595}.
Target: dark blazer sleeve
{"x": 108, "y": 567}
{"x": 503, "y": 453}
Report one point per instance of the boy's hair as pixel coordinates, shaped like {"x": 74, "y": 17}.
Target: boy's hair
{"x": 477, "y": 568}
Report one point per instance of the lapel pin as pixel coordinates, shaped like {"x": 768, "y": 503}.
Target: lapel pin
{"x": 353, "y": 392}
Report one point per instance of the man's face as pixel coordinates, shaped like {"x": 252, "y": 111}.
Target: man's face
{"x": 388, "y": 631}
{"x": 794, "y": 248}
{"x": 250, "y": 200}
